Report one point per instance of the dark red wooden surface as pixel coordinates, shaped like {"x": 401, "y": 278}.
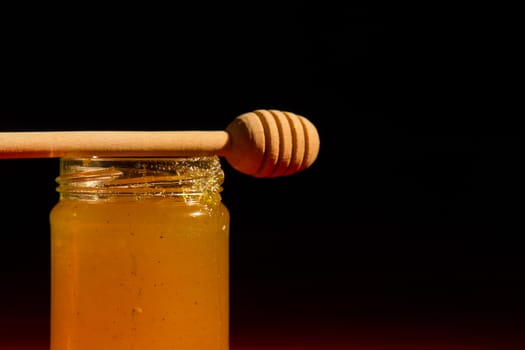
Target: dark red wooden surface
{"x": 32, "y": 334}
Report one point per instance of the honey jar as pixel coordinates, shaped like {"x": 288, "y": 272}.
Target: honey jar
{"x": 139, "y": 255}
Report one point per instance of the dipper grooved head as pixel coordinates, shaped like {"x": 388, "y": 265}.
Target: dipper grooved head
{"x": 271, "y": 143}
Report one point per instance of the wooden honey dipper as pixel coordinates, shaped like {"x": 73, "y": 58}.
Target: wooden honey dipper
{"x": 262, "y": 143}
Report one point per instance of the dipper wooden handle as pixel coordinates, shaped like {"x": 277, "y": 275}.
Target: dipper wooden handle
{"x": 262, "y": 143}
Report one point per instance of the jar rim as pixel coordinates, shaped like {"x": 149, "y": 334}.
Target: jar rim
{"x": 96, "y": 177}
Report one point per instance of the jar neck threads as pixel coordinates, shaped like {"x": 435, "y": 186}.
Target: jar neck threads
{"x": 191, "y": 179}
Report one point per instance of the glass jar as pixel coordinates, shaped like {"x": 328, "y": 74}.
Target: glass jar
{"x": 139, "y": 255}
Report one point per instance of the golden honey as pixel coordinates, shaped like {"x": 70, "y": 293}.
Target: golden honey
{"x": 139, "y": 255}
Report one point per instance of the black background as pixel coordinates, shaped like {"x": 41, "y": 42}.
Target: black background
{"x": 412, "y": 210}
